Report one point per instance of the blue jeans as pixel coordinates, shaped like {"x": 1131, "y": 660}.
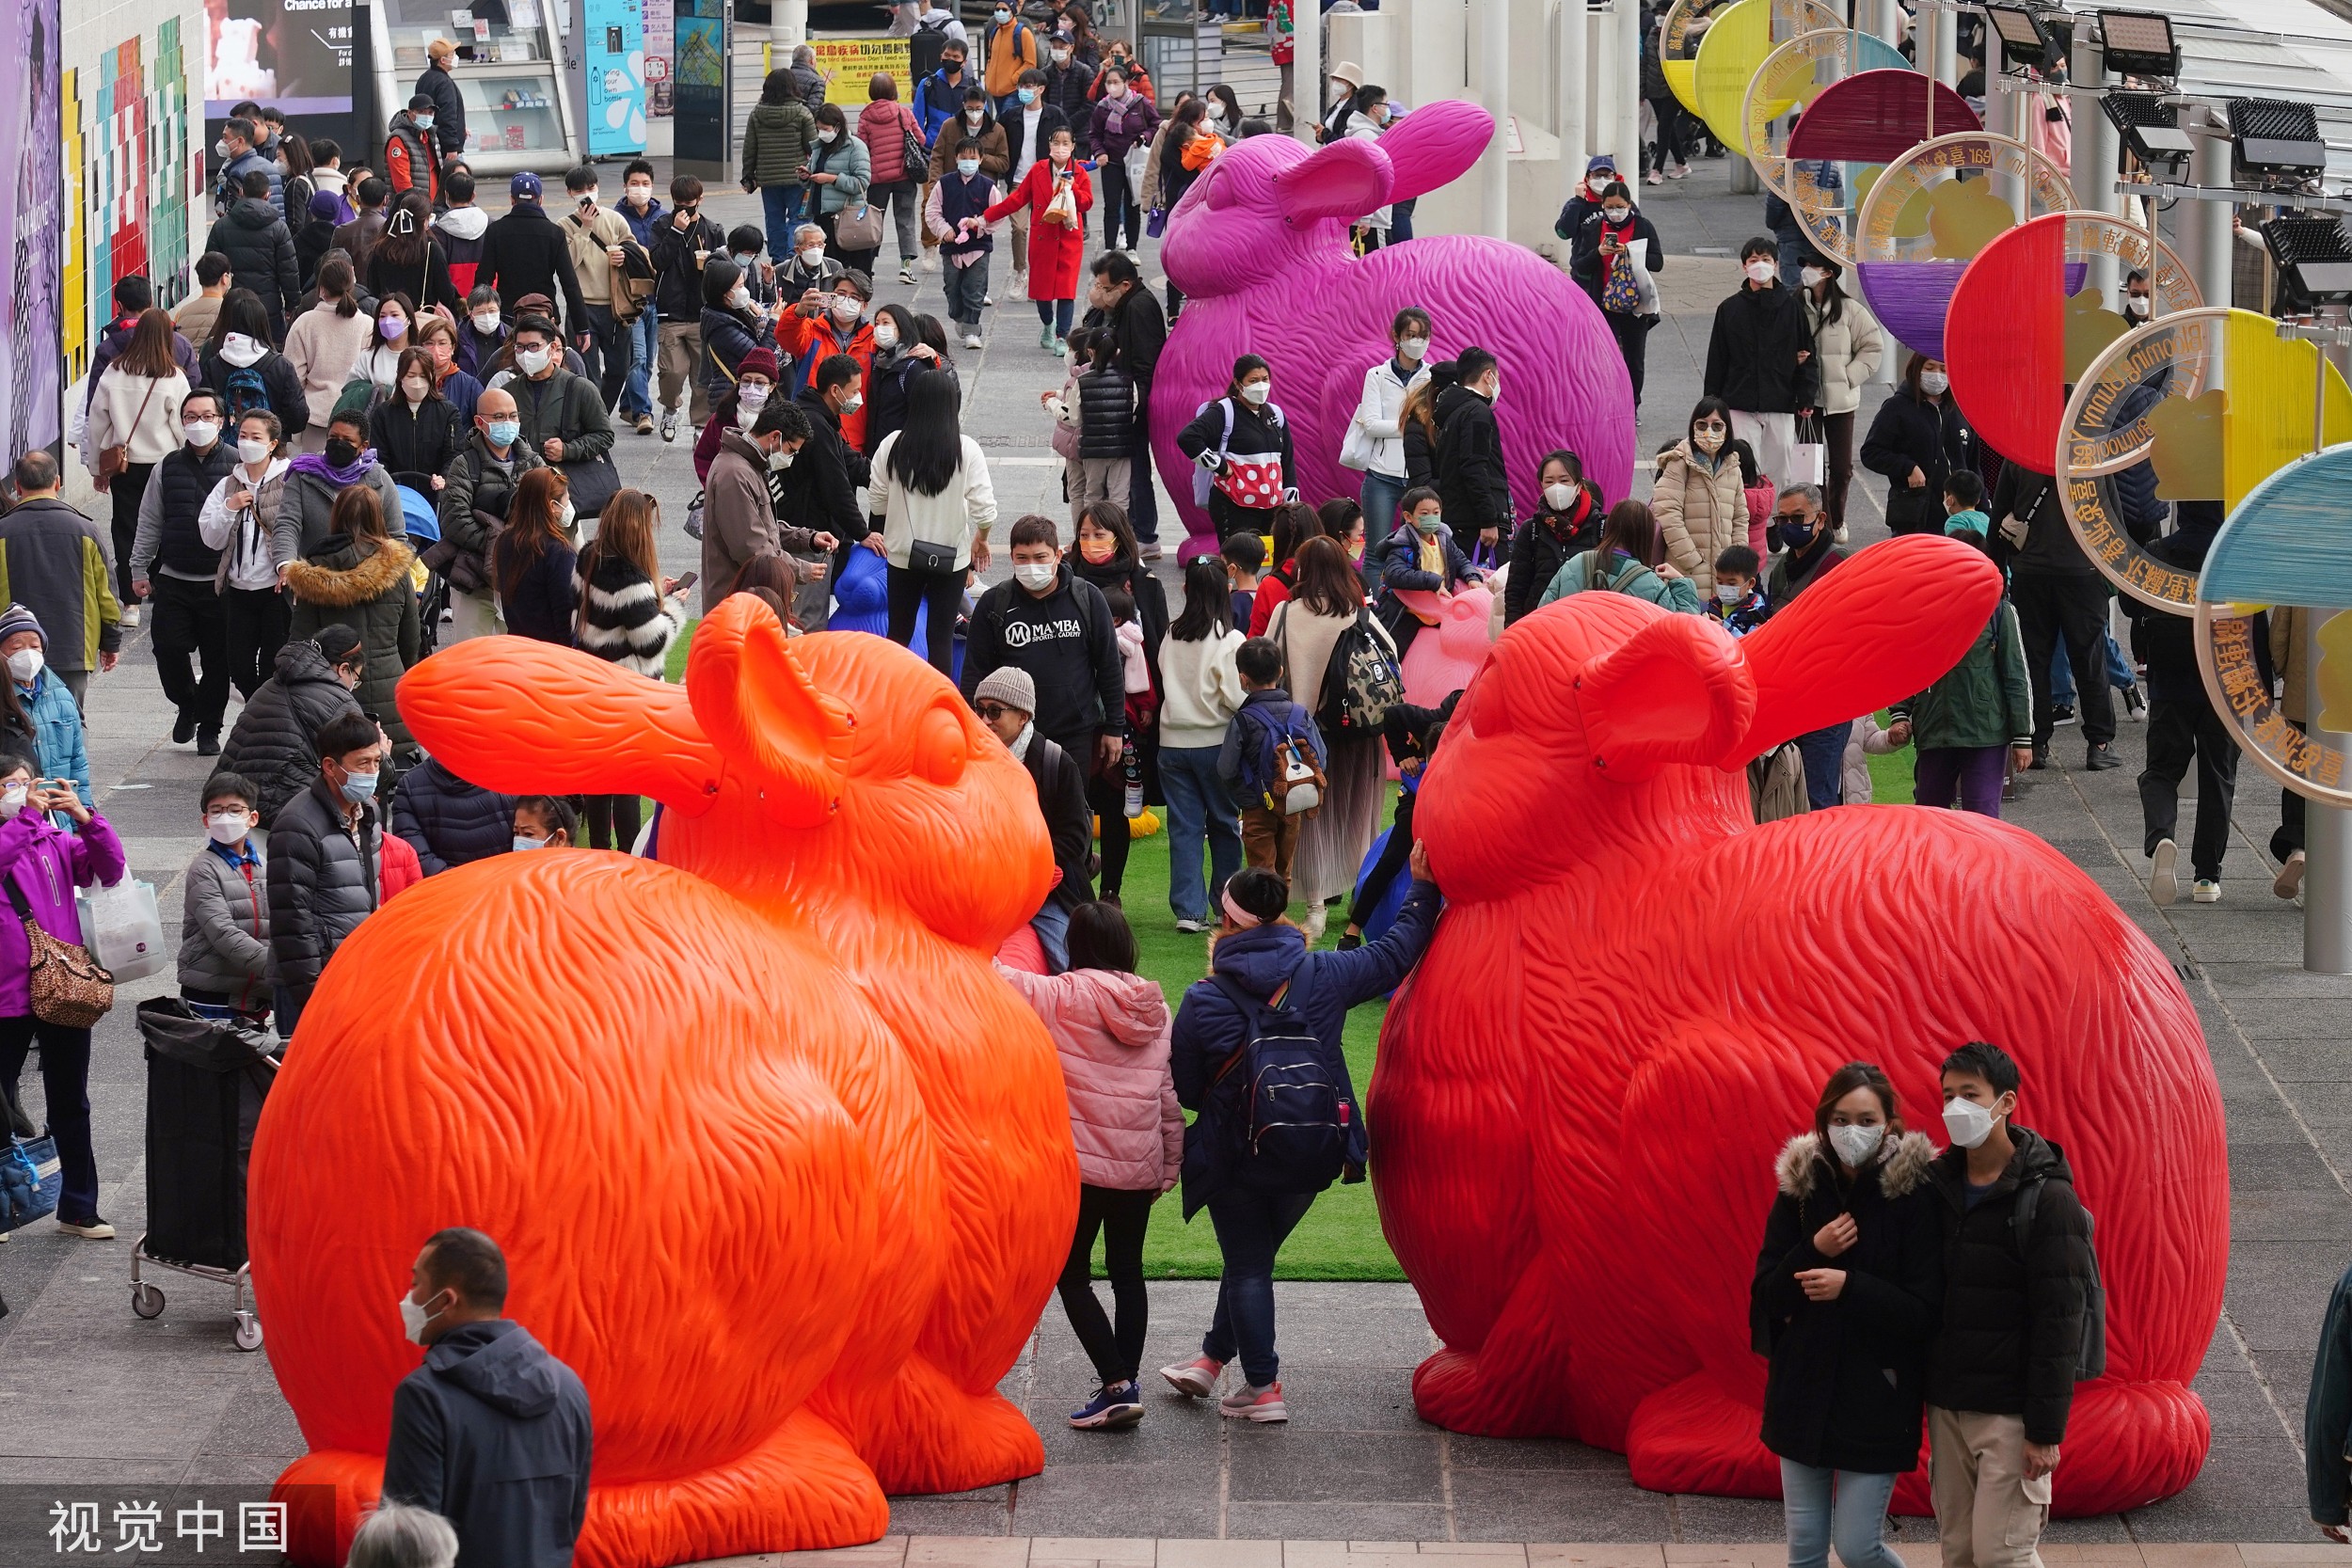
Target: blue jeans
{"x": 783, "y": 205}
{"x": 1052, "y": 925}
{"x": 1381, "y": 499}
{"x": 1854, "y": 1520}
{"x": 1143, "y": 504}
{"x": 1055, "y": 313}
{"x": 2120, "y": 674}
{"x": 1824, "y": 754}
{"x": 644, "y": 346}
{"x": 1250, "y": 1230}
{"x": 1199, "y": 806}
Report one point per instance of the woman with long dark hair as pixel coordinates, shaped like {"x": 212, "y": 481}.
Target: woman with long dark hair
{"x": 1699, "y": 497}
{"x": 1107, "y": 556}
{"x": 1202, "y": 692}
{"x": 415, "y": 432}
{"x": 1847, "y": 1297}
{"x": 934, "y": 507}
{"x": 1848, "y": 345}
{"x": 1294, "y": 523}
{"x": 532, "y": 559}
{"x": 900, "y": 355}
{"x": 379, "y": 363}
{"x": 324, "y": 342}
{"x": 133, "y": 425}
{"x": 1567, "y": 522}
{"x": 839, "y": 170}
{"x": 1629, "y": 558}
{"x": 1918, "y": 436}
{"x": 1328, "y": 599}
{"x": 629, "y": 614}
{"x": 408, "y": 260}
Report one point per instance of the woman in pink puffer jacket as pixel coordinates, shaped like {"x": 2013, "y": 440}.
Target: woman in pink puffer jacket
{"x": 1110, "y": 1026}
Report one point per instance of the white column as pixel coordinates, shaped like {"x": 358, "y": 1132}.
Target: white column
{"x": 2327, "y": 850}
{"x": 2206, "y": 224}
{"x": 1947, "y": 51}
{"x": 1568, "y": 94}
{"x": 1603, "y": 82}
{"x": 791, "y": 17}
{"x": 1307, "y": 94}
{"x": 1626, "y": 57}
{"x": 1492, "y": 76}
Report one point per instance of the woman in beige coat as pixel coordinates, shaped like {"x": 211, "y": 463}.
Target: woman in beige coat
{"x": 1847, "y": 348}
{"x": 1698, "y": 497}
{"x": 1327, "y": 600}
{"x": 323, "y": 342}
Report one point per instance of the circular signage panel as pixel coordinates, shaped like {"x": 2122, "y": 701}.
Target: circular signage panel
{"x": 1736, "y": 44}
{"x": 1926, "y": 217}
{"x": 1795, "y": 75}
{"x": 1848, "y": 136}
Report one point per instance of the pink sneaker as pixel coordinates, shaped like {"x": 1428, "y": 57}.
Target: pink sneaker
{"x": 1247, "y": 1404}
{"x": 1195, "y": 1377}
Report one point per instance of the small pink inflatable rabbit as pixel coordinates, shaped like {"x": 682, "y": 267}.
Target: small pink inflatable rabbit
{"x": 1451, "y": 648}
{"x": 1260, "y": 247}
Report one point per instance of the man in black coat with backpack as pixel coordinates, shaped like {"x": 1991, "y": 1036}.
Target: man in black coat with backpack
{"x": 2023, "y": 1317}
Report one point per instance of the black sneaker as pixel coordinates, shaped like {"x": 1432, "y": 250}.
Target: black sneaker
{"x": 2098, "y": 759}
{"x": 2062, "y": 714}
{"x": 1349, "y": 942}
{"x": 184, "y": 728}
{"x": 208, "y": 742}
{"x": 2041, "y": 762}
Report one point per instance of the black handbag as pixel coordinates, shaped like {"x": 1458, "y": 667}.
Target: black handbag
{"x": 595, "y": 481}
{"x": 924, "y": 556}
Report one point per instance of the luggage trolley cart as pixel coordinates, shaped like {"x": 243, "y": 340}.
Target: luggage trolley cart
{"x": 206, "y": 1080}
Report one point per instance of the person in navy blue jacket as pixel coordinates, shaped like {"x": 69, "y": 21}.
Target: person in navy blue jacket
{"x": 1255, "y": 1202}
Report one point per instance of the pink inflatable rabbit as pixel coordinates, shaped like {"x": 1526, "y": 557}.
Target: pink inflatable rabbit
{"x": 1260, "y": 247}
{"x": 1449, "y": 651}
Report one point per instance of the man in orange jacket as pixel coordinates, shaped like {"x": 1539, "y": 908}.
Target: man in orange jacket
{"x": 822, "y": 325}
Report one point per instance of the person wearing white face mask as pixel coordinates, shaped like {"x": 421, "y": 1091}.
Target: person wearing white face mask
{"x": 224, "y": 933}
{"x": 322, "y": 865}
{"x": 1376, "y": 437}
{"x": 237, "y": 520}
{"x": 738, "y": 511}
{"x": 415, "y": 432}
{"x": 642, "y": 212}
{"x": 41, "y": 865}
{"x": 491, "y": 1432}
{"x": 1466, "y": 460}
{"x": 754, "y": 387}
{"x": 544, "y": 822}
{"x": 55, "y": 562}
{"x": 839, "y": 172}
{"x": 1616, "y": 244}
{"x": 1848, "y": 350}
{"x": 41, "y": 713}
{"x": 133, "y": 425}
{"x": 1759, "y": 359}
{"x": 189, "y": 619}
{"x": 823, "y": 324}
{"x": 1848, "y": 1287}
{"x": 2018, "y": 1324}
{"x": 1917, "y": 438}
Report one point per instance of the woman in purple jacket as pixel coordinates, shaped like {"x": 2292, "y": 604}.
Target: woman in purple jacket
{"x": 43, "y": 866}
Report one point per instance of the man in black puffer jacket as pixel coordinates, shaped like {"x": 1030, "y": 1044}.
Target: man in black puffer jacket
{"x": 325, "y": 855}
{"x": 261, "y": 251}
{"x": 1471, "y": 485}
{"x": 274, "y": 740}
{"x": 2016, "y": 1308}
{"x": 449, "y": 822}
{"x": 1760, "y": 358}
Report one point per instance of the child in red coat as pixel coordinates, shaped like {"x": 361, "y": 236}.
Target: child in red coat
{"x": 1058, "y": 196}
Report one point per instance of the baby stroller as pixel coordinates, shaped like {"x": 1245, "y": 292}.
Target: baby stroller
{"x": 424, "y": 529}
{"x": 206, "y": 1080}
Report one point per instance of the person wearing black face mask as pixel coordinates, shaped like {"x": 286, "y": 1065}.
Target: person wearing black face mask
{"x": 1801, "y": 528}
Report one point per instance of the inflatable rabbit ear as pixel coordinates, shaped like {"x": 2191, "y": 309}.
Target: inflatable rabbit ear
{"x": 1883, "y": 625}
{"x": 765, "y": 716}
{"x": 1673, "y": 692}
{"x": 1346, "y": 180}
{"x": 522, "y": 717}
{"x": 1434, "y": 145}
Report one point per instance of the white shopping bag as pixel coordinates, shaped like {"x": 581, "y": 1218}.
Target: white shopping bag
{"x": 1808, "y": 455}
{"x": 123, "y": 929}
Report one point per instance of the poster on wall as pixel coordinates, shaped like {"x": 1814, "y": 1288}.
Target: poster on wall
{"x": 661, "y": 57}
{"x": 700, "y": 88}
{"x": 851, "y": 66}
{"x": 32, "y": 149}
{"x": 293, "y": 53}
{"x": 612, "y": 47}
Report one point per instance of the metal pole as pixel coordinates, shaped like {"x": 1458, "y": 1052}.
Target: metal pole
{"x": 2207, "y": 223}
{"x": 1606, "y": 84}
{"x": 1946, "y": 56}
{"x": 2326, "y": 842}
{"x": 1567, "y": 95}
{"x": 791, "y": 24}
{"x": 1493, "y": 22}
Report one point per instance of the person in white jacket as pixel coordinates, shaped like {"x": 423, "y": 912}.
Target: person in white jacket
{"x": 1849, "y": 347}
{"x": 135, "y": 406}
{"x": 236, "y": 521}
{"x": 931, "y": 491}
{"x": 1200, "y": 690}
{"x": 1376, "y": 440}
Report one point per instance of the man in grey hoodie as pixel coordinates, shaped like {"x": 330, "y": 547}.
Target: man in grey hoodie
{"x": 491, "y": 1432}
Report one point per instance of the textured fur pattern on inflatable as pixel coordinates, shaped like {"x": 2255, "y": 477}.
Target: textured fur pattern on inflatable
{"x": 782, "y": 1170}
{"x": 1260, "y": 247}
{"x": 1581, "y": 1091}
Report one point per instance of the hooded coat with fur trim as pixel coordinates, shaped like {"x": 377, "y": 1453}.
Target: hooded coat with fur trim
{"x": 1845, "y": 1387}
{"x": 371, "y": 594}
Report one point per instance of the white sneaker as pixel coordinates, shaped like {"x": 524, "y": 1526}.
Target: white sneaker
{"x": 130, "y": 615}
{"x": 906, "y": 272}
{"x": 988, "y": 299}
{"x": 972, "y": 340}
{"x": 1838, "y": 537}
{"x": 2164, "y": 878}
{"x": 669, "y": 425}
{"x": 1195, "y": 1377}
{"x": 930, "y": 260}
{"x": 2289, "y": 882}
{"x": 2207, "y": 892}
{"x": 1317, "y": 919}
{"x": 1190, "y": 927}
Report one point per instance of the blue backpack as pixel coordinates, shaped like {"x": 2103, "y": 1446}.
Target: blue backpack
{"x": 1295, "y": 1123}
{"x": 247, "y": 392}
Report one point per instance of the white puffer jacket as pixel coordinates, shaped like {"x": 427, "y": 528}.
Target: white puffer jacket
{"x": 1847, "y": 350}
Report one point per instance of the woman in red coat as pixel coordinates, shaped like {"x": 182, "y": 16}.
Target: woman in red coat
{"x": 1057, "y": 236}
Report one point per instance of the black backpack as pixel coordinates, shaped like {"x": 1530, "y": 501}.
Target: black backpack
{"x": 1293, "y": 1119}
{"x": 2090, "y": 1361}
{"x": 1360, "y": 682}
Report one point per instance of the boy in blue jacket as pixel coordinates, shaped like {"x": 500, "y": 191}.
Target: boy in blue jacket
{"x": 1262, "y": 969}
{"x": 1251, "y": 762}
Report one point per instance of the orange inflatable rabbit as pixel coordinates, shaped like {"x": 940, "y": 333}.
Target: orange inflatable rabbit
{"x": 1581, "y": 1092}
{"x": 782, "y": 1170}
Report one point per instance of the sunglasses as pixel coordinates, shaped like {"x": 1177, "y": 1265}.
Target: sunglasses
{"x": 1793, "y": 517}
{"x": 1711, "y": 427}
{"x": 990, "y": 712}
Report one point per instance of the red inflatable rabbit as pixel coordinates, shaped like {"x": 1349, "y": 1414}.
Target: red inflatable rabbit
{"x": 1581, "y": 1093}
{"x": 781, "y": 1168}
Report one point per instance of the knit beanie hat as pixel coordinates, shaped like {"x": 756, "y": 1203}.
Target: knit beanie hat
{"x": 16, "y": 618}
{"x": 759, "y": 362}
{"x": 1010, "y": 686}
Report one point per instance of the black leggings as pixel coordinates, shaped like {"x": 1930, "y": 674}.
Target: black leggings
{"x": 1669, "y": 143}
{"x": 1394, "y": 856}
{"x": 1122, "y": 1218}
{"x": 1106, "y": 794}
{"x": 939, "y": 593}
{"x": 613, "y": 821}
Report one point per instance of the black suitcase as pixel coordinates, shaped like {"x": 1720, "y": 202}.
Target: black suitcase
{"x": 205, "y": 1084}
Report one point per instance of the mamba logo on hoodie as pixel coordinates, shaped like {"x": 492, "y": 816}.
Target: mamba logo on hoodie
{"x": 1020, "y": 634}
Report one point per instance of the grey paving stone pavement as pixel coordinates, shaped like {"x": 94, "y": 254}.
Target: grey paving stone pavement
{"x": 101, "y": 1395}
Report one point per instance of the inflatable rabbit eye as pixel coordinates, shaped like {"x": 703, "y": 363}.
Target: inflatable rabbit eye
{"x": 941, "y": 747}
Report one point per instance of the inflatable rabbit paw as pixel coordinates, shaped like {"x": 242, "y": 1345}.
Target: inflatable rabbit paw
{"x": 1695, "y": 1437}
{"x": 803, "y": 1488}
{"x": 923, "y": 1434}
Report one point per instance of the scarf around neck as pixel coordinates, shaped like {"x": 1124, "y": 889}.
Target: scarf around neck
{"x": 316, "y": 463}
